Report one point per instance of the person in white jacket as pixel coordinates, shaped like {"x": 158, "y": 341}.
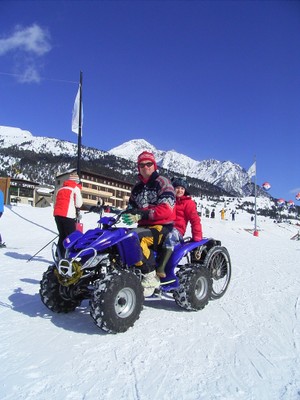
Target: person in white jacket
{"x": 68, "y": 201}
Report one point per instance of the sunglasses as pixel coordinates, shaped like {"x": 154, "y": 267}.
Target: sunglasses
{"x": 146, "y": 164}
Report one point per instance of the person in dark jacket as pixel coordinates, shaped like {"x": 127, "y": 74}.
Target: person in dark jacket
{"x": 68, "y": 201}
{"x": 151, "y": 205}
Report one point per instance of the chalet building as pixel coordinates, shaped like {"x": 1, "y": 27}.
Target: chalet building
{"x": 44, "y": 196}
{"x": 22, "y": 191}
{"x": 114, "y": 193}
{"x": 19, "y": 191}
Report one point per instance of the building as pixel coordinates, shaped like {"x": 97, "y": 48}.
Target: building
{"x": 114, "y": 192}
{"x": 19, "y": 191}
{"x": 44, "y": 196}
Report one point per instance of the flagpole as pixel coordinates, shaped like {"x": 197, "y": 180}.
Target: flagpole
{"x": 79, "y": 128}
{"x": 255, "y": 233}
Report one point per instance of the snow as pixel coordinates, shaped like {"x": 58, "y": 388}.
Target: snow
{"x": 245, "y": 345}
{"x": 13, "y": 136}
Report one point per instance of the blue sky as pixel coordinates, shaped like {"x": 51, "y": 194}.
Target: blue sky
{"x": 209, "y": 79}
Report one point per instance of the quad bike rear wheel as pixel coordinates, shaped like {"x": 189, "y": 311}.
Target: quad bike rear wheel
{"x": 51, "y": 295}
{"x": 217, "y": 261}
{"x": 117, "y": 301}
{"x": 195, "y": 287}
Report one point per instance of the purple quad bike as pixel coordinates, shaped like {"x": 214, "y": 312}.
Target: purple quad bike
{"x": 99, "y": 265}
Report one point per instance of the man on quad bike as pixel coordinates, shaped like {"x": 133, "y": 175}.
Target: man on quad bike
{"x": 151, "y": 205}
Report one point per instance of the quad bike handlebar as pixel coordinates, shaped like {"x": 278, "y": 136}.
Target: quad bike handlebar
{"x": 106, "y": 221}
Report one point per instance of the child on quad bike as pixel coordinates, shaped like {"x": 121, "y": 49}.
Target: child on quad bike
{"x": 186, "y": 211}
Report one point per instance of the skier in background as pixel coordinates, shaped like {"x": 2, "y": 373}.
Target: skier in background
{"x": 222, "y": 213}
{"x": 233, "y": 212}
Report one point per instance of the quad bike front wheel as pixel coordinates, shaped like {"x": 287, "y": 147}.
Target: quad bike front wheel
{"x": 195, "y": 287}
{"x": 51, "y": 295}
{"x": 217, "y": 261}
{"x": 117, "y": 301}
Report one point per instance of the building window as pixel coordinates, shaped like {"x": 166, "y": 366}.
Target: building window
{"x": 25, "y": 192}
{"x": 13, "y": 191}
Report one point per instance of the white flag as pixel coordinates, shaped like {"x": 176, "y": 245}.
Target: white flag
{"x": 252, "y": 170}
{"x": 75, "y": 115}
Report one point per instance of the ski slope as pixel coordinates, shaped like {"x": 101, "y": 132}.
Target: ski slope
{"x": 244, "y": 346}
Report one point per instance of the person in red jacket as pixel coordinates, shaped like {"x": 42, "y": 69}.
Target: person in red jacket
{"x": 68, "y": 201}
{"x": 186, "y": 210}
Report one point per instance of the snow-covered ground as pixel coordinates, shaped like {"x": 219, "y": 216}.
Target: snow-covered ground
{"x": 243, "y": 346}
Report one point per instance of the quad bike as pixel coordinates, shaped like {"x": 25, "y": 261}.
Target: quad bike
{"x": 99, "y": 265}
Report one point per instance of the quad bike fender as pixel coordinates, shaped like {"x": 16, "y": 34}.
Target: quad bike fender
{"x": 171, "y": 282}
{"x": 128, "y": 243}
{"x": 98, "y": 238}
{"x": 182, "y": 249}
{"x": 130, "y": 249}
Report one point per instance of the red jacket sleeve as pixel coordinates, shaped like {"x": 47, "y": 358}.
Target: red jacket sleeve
{"x": 195, "y": 221}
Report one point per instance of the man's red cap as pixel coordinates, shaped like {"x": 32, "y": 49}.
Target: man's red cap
{"x": 147, "y": 156}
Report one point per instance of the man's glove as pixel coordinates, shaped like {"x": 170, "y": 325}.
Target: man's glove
{"x": 133, "y": 215}
{"x": 130, "y": 219}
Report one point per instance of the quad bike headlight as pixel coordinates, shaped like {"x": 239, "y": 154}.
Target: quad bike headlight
{"x": 69, "y": 272}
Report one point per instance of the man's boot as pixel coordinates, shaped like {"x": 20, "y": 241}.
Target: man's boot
{"x": 163, "y": 259}
{"x": 150, "y": 282}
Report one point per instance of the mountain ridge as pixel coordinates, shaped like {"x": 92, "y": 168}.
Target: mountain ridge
{"x": 37, "y": 157}
{"x": 227, "y": 175}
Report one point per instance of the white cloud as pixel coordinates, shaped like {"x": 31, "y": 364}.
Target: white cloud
{"x": 32, "y": 39}
{"x": 29, "y": 74}
{"x": 27, "y": 45}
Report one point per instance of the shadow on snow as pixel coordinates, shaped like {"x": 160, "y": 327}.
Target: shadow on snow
{"x": 32, "y": 306}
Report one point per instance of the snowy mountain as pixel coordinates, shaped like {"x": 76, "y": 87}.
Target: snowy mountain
{"x": 11, "y": 137}
{"x": 41, "y": 158}
{"x": 227, "y": 175}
